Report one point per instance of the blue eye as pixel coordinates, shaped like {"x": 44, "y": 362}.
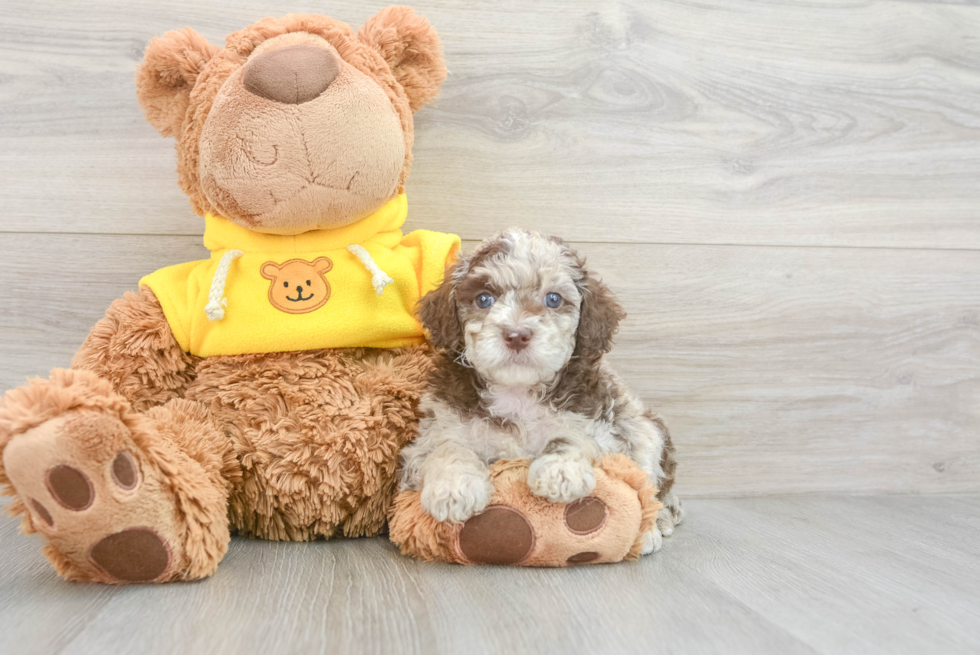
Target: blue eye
{"x": 484, "y": 300}
{"x": 552, "y": 300}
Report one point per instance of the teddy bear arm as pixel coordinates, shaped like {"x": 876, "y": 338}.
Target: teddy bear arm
{"x": 134, "y": 348}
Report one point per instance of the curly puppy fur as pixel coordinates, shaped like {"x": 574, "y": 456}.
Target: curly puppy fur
{"x": 521, "y": 327}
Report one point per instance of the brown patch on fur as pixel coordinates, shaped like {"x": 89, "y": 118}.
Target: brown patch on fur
{"x": 667, "y": 460}
{"x": 600, "y": 317}
{"x": 487, "y": 250}
{"x": 437, "y": 313}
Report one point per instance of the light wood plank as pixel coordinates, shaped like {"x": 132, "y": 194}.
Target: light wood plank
{"x": 803, "y": 575}
{"x": 851, "y": 123}
{"x": 779, "y": 370}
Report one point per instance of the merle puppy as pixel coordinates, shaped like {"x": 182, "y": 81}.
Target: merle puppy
{"x": 520, "y": 328}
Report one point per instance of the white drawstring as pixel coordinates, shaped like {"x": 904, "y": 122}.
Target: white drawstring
{"x": 379, "y": 279}
{"x": 216, "y": 300}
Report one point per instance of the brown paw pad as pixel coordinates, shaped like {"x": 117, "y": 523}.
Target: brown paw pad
{"x": 582, "y": 558}
{"x": 499, "y": 535}
{"x": 124, "y": 471}
{"x": 42, "y": 512}
{"x": 585, "y": 516}
{"x": 133, "y": 555}
{"x": 70, "y": 487}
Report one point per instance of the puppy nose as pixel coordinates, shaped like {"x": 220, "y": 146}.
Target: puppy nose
{"x": 517, "y": 338}
{"x": 291, "y": 75}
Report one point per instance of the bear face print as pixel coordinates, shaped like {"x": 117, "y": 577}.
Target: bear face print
{"x": 298, "y": 286}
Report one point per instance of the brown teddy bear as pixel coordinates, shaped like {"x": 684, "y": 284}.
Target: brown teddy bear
{"x": 268, "y": 389}
{"x": 520, "y": 529}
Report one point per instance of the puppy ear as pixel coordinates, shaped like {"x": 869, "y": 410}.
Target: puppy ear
{"x": 437, "y": 312}
{"x": 411, "y": 47}
{"x": 599, "y": 319}
{"x": 169, "y": 71}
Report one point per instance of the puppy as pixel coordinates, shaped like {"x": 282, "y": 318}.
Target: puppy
{"x": 520, "y": 327}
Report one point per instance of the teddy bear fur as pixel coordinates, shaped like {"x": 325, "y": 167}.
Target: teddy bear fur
{"x": 521, "y": 529}
{"x": 285, "y": 446}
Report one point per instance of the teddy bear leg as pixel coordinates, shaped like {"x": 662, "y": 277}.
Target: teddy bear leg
{"x": 133, "y": 347}
{"x": 120, "y": 497}
{"x": 523, "y": 529}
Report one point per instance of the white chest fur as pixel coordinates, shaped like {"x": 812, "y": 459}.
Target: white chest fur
{"x": 528, "y": 425}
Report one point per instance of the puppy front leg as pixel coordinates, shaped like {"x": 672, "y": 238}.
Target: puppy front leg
{"x": 563, "y": 473}
{"x": 455, "y": 483}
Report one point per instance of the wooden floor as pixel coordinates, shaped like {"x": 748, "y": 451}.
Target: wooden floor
{"x": 889, "y": 575}
{"x": 786, "y": 197}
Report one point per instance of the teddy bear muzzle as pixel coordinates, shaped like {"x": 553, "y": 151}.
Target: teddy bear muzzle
{"x": 291, "y": 75}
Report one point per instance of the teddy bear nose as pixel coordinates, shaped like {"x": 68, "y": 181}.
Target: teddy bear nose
{"x": 291, "y": 75}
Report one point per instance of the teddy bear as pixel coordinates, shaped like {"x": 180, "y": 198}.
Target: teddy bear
{"x": 519, "y": 528}
{"x": 264, "y": 391}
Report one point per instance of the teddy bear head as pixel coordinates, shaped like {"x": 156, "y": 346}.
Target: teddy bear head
{"x": 298, "y": 123}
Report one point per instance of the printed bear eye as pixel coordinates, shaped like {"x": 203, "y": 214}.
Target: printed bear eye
{"x": 285, "y": 284}
{"x": 484, "y": 300}
{"x": 308, "y": 283}
{"x": 552, "y": 300}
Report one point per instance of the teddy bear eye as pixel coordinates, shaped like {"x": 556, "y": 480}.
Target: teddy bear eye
{"x": 285, "y": 284}
{"x": 307, "y": 283}
{"x": 484, "y": 300}
{"x": 552, "y": 300}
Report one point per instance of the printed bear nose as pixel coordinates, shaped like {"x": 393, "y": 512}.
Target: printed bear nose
{"x": 291, "y": 75}
{"x": 299, "y": 289}
{"x": 517, "y": 338}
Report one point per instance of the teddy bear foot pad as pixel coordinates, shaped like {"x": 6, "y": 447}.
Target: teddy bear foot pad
{"x": 98, "y": 504}
{"x": 520, "y": 529}
{"x": 106, "y": 486}
{"x": 504, "y": 535}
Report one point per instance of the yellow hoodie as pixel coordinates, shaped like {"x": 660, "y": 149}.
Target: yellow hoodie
{"x": 259, "y": 293}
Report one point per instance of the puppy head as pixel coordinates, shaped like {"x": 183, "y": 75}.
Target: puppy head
{"x": 519, "y": 307}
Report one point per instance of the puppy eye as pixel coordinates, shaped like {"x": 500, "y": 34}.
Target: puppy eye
{"x": 285, "y": 284}
{"x": 308, "y": 283}
{"x": 484, "y": 300}
{"x": 552, "y": 300}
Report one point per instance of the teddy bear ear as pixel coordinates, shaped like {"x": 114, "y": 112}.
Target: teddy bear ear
{"x": 169, "y": 71}
{"x": 411, "y": 47}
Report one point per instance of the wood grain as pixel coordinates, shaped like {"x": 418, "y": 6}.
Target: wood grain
{"x": 787, "y": 576}
{"x": 779, "y": 370}
{"x": 851, "y": 123}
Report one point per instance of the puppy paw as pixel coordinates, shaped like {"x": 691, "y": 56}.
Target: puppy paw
{"x": 665, "y": 523}
{"x": 455, "y": 498}
{"x": 673, "y": 505}
{"x": 652, "y": 542}
{"x": 561, "y": 479}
